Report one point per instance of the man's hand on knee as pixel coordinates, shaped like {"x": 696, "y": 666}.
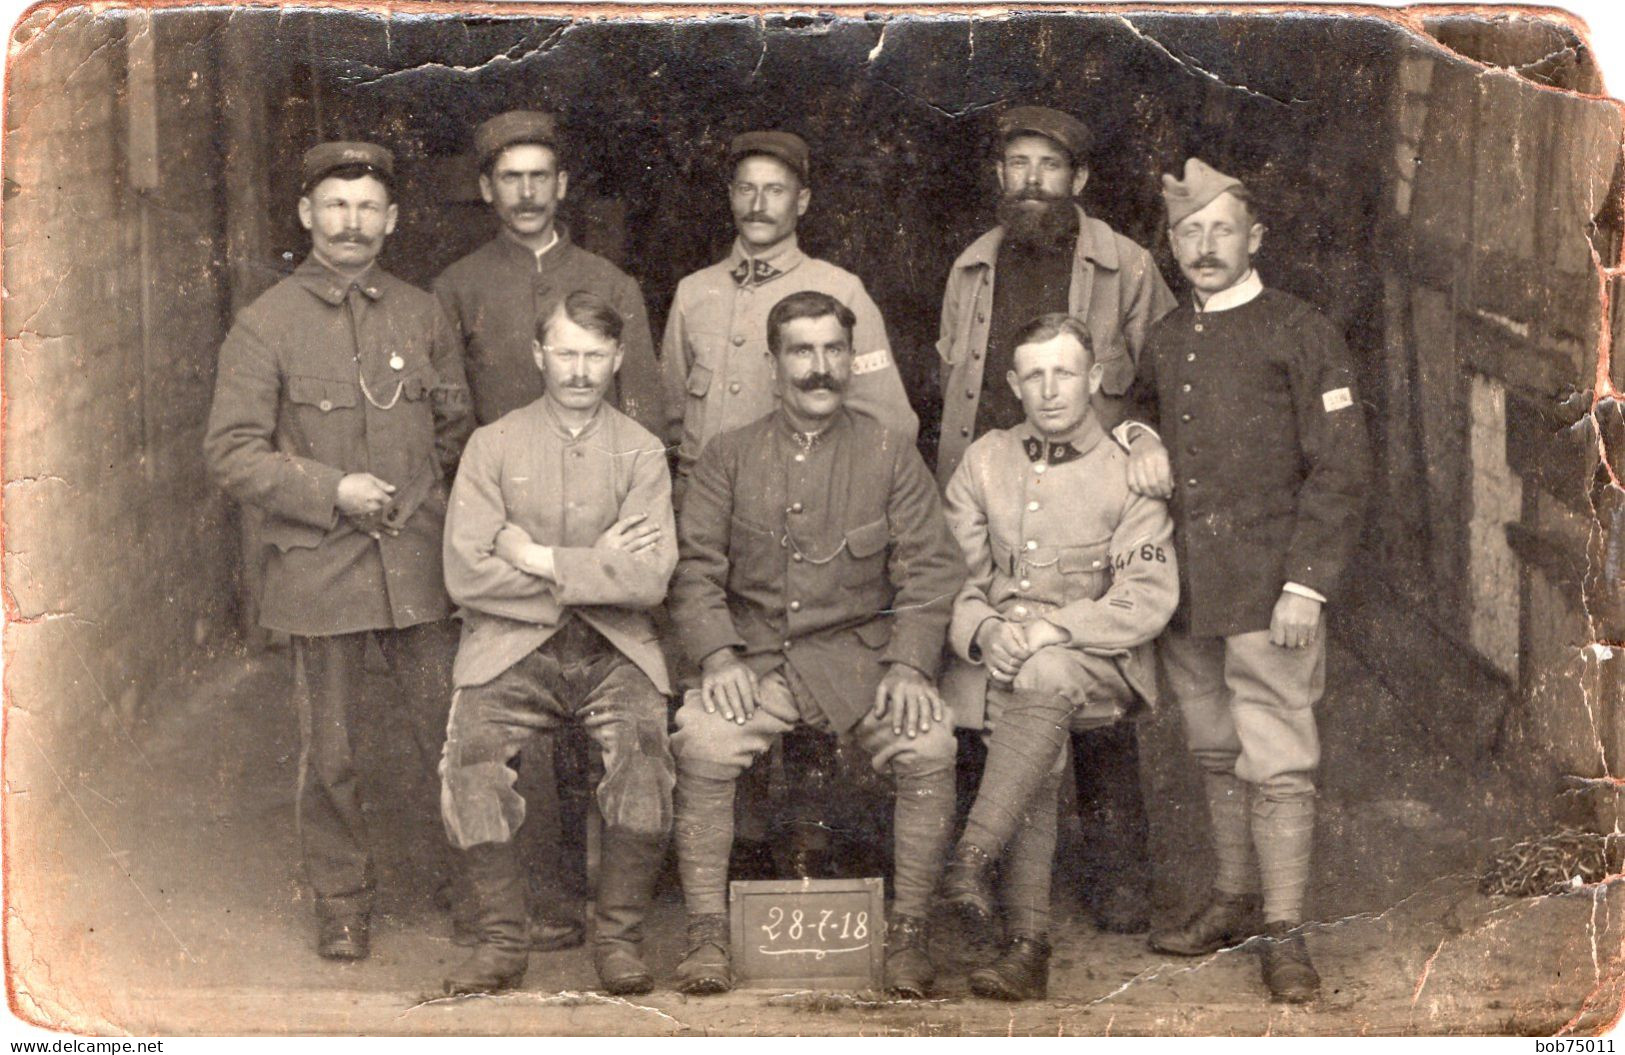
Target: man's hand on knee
{"x": 1004, "y": 647}
{"x": 727, "y": 685}
{"x": 911, "y": 699}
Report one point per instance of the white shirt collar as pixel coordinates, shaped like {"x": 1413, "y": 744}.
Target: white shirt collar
{"x": 1234, "y": 296}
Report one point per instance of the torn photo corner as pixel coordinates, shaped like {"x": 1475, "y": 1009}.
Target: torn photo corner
{"x": 223, "y": 794}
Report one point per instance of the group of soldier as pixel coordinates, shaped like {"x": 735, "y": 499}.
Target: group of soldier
{"x": 1125, "y": 485}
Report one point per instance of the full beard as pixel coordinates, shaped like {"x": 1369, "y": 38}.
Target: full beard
{"x": 1050, "y": 224}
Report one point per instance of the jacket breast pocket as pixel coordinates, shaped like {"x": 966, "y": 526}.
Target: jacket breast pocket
{"x": 1086, "y": 571}
{"x": 323, "y": 394}
{"x": 865, "y": 560}
{"x": 699, "y": 381}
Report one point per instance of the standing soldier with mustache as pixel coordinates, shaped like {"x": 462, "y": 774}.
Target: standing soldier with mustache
{"x": 339, "y": 409}
{"x": 1047, "y": 255}
{"x": 498, "y": 297}
{"x": 718, "y": 373}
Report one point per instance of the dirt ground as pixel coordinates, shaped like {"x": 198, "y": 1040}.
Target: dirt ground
{"x": 153, "y": 889}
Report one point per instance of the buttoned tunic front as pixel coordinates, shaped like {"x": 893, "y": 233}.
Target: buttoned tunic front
{"x": 1257, "y": 407}
{"x": 834, "y": 560}
{"x": 319, "y": 378}
{"x": 1050, "y": 530}
{"x": 497, "y": 295}
{"x": 563, "y": 490}
{"x": 718, "y": 374}
{"x": 1116, "y": 290}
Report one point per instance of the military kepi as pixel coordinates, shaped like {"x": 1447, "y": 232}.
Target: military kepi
{"x": 786, "y": 146}
{"x": 326, "y": 157}
{"x": 1072, "y": 134}
{"x": 1202, "y": 183}
{"x": 515, "y": 126}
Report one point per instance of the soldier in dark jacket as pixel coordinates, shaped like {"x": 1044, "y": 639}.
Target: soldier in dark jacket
{"x": 339, "y": 409}
{"x": 1263, "y": 449}
{"x": 815, "y": 579}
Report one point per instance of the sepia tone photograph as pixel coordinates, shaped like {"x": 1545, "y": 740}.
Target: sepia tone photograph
{"x": 692, "y": 520}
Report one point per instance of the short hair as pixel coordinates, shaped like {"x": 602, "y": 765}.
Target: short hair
{"x": 1050, "y": 326}
{"x": 589, "y": 311}
{"x": 807, "y": 304}
{"x": 356, "y": 170}
{"x": 1245, "y": 196}
{"x": 490, "y": 163}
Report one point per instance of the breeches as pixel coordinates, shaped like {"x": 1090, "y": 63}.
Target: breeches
{"x": 713, "y": 745}
{"x": 1248, "y": 707}
{"x": 576, "y": 676}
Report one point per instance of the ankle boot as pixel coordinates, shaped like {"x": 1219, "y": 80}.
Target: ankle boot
{"x": 627, "y": 868}
{"x": 1226, "y": 919}
{"x": 1020, "y": 973}
{"x": 967, "y": 889}
{"x": 909, "y": 971}
{"x": 708, "y": 967}
{"x": 498, "y": 894}
{"x": 1284, "y": 960}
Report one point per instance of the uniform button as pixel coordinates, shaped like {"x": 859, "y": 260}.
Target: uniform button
{"x": 1020, "y": 611}
{"x": 1039, "y": 467}
{"x": 575, "y": 454}
{"x": 1184, "y": 388}
{"x": 787, "y": 646}
{"x": 976, "y": 355}
{"x": 326, "y": 404}
{"x": 1097, "y": 564}
{"x": 1026, "y": 584}
{"x": 1191, "y": 357}
{"x": 1198, "y": 327}
{"x": 795, "y": 606}
{"x": 1032, "y": 544}
{"x": 734, "y": 387}
{"x": 1184, "y": 417}
{"x": 796, "y": 508}
{"x": 1191, "y": 482}
{"x": 801, "y": 457}
{"x": 981, "y": 316}
{"x": 1032, "y": 507}
{"x": 796, "y": 557}
{"x": 970, "y": 393}
{"x": 738, "y": 339}
{"x": 964, "y": 430}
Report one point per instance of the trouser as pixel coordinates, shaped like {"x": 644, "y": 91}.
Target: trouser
{"x": 1057, "y": 690}
{"x": 328, "y": 676}
{"x": 576, "y": 676}
{"x": 712, "y": 752}
{"x": 1248, "y": 708}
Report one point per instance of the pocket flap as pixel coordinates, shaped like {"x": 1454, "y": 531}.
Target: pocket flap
{"x": 321, "y": 393}
{"x": 699, "y": 380}
{"x": 867, "y": 540}
{"x": 287, "y": 534}
{"x": 417, "y": 386}
{"x": 876, "y": 633}
{"x": 1094, "y": 557}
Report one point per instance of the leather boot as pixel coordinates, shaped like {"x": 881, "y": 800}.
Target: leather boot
{"x": 708, "y": 967}
{"x": 627, "y": 866}
{"x": 909, "y": 971}
{"x": 1226, "y": 919}
{"x": 1116, "y": 833}
{"x": 1020, "y": 973}
{"x": 498, "y": 893}
{"x": 967, "y": 888}
{"x": 1284, "y": 959}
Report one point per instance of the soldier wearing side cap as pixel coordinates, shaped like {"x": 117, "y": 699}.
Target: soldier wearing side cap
{"x": 1263, "y": 449}
{"x": 340, "y": 407}
{"x": 1048, "y": 255}
{"x": 497, "y": 298}
{"x": 718, "y": 377}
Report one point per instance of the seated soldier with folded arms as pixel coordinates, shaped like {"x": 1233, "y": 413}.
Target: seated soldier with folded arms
{"x": 559, "y": 540}
{"x": 1071, "y": 577}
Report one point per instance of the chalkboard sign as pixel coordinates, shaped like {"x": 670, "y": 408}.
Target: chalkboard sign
{"x": 809, "y": 933}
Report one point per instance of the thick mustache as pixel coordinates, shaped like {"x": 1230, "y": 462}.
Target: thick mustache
{"x": 1033, "y": 194}
{"x": 813, "y": 382}
{"x": 1207, "y": 261}
{"x": 757, "y": 217}
{"x": 352, "y": 238}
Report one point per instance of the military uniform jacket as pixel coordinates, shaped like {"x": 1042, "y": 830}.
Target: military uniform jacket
{"x": 563, "y": 490}
{"x": 715, "y": 358}
{"x": 291, "y": 418}
{"x": 1050, "y": 530}
{"x": 1257, "y": 407}
{"x": 1116, "y": 289}
{"x": 834, "y": 561}
{"x": 496, "y": 296}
